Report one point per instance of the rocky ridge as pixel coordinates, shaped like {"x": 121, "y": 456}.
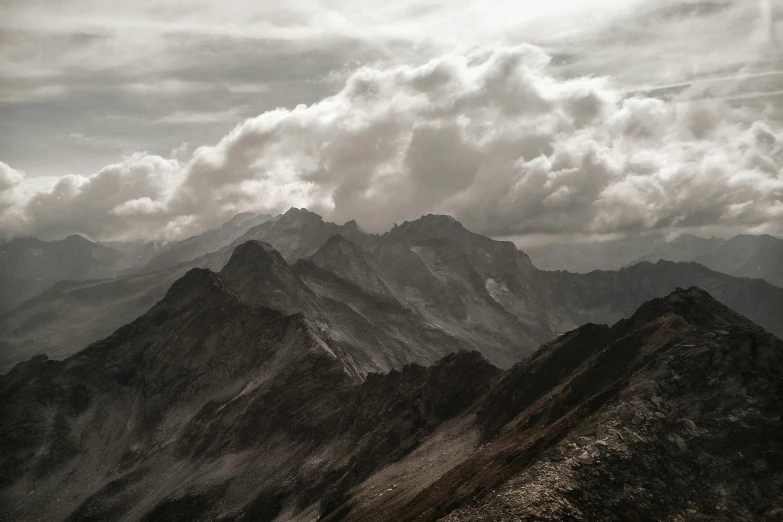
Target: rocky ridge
{"x": 669, "y": 414}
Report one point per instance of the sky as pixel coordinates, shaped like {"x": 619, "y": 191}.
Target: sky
{"x": 561, "y": 119}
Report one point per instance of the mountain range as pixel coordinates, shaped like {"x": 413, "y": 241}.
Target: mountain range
{"x": 742, "y": 256}
{"x": 28, "y": 266}
{"x": 211, "y": 407}
{"x": 422, "y": 290}
{"x": 292, "y": 369}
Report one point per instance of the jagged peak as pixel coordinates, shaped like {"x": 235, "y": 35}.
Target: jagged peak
{"x": 193, "y": 284}
{"x": 299, "y": 216}
{"x": 691, "y": 304}
{"x": 256, "y": 262}
{"x": 254, "y": 252}
{"x": 429, "y": 225}
{"x": 77, "y": 239}
{"x": 337, "y": 252}
{"x": 353, "y": 226}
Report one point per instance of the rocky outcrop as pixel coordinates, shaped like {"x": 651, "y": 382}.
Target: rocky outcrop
{"x": 671, "y": 413}
{"x": 668, "y": 414}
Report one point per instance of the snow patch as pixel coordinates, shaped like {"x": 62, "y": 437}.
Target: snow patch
{"x": 496, "y": 290}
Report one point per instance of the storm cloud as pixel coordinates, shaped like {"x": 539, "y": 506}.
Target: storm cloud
{"x": 490, "y": 137}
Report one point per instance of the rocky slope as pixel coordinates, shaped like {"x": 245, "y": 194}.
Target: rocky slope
{"x": 378, "y": 331}
{"x": 209, "y": 408}
{"x": 178, "y": 411}
{"x": 669, "y": 415}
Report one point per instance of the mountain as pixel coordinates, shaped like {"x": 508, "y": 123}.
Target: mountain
{"x": 209, "y": 408}
{"x": 201, "y": 379}
{"x": 473, "y": 287}
{"x": 756, "y": 257}
{"x": 72, "y": 314}
{"x": 743, "y": 256}
{"x": 141, "y": 252}
{"x": 604, "y": 296}
{"x": 583, "y": 257}
{"x": 748, "y": 256}
{"x": 453, "y": 289}
{"x": 179, "y": 252}
{"x": 645, "y": 420}
{"x": 28, "y": 265}
{"x": 377, "y": 331}
{"x": 299, "y": 233}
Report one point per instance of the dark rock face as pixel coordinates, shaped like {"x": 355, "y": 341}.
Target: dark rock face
{"x": 671, "y": 413}
{"x": 208, "y": 408}
{"x": 198, "y": 380}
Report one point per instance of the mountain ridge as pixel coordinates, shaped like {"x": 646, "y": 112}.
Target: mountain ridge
{"x": 477, "y": 292}
{"x": 192, "y": 398}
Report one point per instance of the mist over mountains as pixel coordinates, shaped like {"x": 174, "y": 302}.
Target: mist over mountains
{"x": 742, "y": 255}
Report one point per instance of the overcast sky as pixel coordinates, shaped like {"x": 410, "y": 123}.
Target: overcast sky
{"x": 156, "y": 120}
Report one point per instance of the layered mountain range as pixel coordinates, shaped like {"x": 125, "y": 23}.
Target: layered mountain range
{"x": 424, "y": 289}
{"x": 220, "y": 404}
{"x": 742, "y": 256}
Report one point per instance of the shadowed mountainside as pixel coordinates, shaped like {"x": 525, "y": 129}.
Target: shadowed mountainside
{"x": 208, "y": 408}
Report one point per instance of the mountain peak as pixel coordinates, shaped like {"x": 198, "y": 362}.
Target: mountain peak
{"x": 238, "y": 219}
{"x": 429, "y": 226}
{"x": 691, "y": 304}
{"x": 261, "y": 276}
{"x": 77, "y": 239}
{"x": 337, "y": 253}
{"x": 256, "y": 254}
{"x": 300, "y": 216}
{"x": 195, "y": 284}
{"x": 352, "y": 225}
{"x": 337, "y": 241}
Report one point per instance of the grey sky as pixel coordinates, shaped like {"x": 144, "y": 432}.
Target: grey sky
{"x": 88, "y": 83}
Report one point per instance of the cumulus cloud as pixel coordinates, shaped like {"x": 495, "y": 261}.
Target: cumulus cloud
{"x": 490, "y": 138}
{"x": 10, "y": 179}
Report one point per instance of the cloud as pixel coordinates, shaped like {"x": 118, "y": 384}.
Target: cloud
{"x": 490, "y": 138}
{"x": 198, "y": 117}
{"x": 10, "y": 179}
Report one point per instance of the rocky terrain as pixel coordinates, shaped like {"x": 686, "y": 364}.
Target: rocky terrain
{"x": 420, "y": 291}
{"x": 213, "y": 406}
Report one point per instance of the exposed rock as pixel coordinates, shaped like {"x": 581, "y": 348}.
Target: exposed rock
{"x": 586, "y": 459}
